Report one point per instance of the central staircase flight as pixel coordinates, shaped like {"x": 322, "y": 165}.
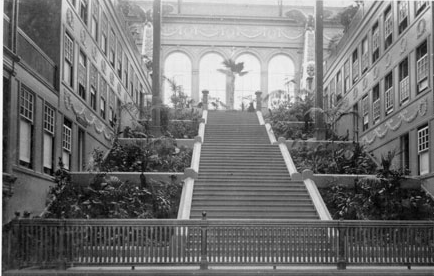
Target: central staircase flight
{"x": 243, "y": 176}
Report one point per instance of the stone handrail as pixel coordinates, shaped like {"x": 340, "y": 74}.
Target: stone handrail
{"x": 260, "y": 118}
{"x": 316, "y": 197}
{"x": 270, "y": 133}
{"x": 295, "y": 175}
{"x": 191, "y": 173}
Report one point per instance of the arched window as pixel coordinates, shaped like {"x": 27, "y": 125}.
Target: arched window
{"x": 177, "y": 67}
{"x": 247, "y": 85}
{"x": 212, "y": 80}
{"x": 280, "y": 76}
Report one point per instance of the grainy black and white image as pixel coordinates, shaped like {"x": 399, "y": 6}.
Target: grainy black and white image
{"x": 217, "y": 137}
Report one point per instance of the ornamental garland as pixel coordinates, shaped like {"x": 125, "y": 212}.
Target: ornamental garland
{"x": 79, "y": 110}
{"x": 402, "y": 116}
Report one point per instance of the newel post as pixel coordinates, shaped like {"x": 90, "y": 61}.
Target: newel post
{"x": 258, "y": 100}
{"x": 205, "y": 99}
{"x": 342, "y": 258}
{"x": 204, "y": 246}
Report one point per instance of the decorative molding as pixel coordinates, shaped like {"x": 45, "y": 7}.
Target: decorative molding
{"x": 118, "y": 88}
{"x": 388, "y": 60}
{"x": 83, "y": 37}
{"x": 393, "y": 124}
{"x": 229, "y": 32}
{"x": 355, "y": 92}
{"x": 421, "y": 27}
{"x": 376, "y": 72}
{"x": 364, "y": 83}
{"x": 112, "y": 78}
{"x": 70, "y": 18}
{"x": 79, "y": 111}
{"x": 403, "y": 45}
{"x": 94, "y": 52}
{"x": 103, "y": 66}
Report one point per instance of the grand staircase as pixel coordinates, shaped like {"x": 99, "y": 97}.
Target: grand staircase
{"x": 243, "y": 176}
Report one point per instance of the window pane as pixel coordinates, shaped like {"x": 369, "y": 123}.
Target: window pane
{"x": 212, "y": 80}
{"x": 25, "y": 140}
{"x": 48, "y": 151}
{"x": 280, "y": 74}
{"x": 247, "y": 85}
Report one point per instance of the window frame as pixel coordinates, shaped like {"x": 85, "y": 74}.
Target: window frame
{"x": 375, "y": 42}
{"x": 388, "y": 27}
{"x": 402, "y": 16}
{"x": 422, "y": 64}
{"x": 404, "y": 81}
{"x": 49, "y": 130}
{"x": 27, "y": 116}
{"x": 388, "y": 93}
{"x": 68, "y": 59}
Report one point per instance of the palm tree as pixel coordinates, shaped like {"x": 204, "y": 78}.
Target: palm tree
{"x": 231, "y": 70}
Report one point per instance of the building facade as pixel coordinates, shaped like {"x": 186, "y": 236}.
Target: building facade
{"x": 382, "y": 77}
{"x": 274, "y": 39}
{"x": 72, "y": 78}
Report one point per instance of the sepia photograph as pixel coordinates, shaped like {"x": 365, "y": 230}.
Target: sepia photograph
{"x": 217, "y": 137}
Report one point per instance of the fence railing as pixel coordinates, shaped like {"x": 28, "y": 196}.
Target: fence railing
{"x": 63, "y": 243}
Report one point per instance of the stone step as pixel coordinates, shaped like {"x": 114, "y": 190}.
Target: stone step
{"x": 251, "y": 215}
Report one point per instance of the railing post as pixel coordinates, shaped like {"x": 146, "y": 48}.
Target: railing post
{"x": 258, "y": 100}
{"x": 62, "y": 233}
{"x": 205, "y": 99}
{"x": 342, "y": 260}
{"x": 204, "y": 245}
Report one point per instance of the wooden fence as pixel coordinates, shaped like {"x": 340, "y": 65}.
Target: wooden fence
{"x": 63, "y": 243}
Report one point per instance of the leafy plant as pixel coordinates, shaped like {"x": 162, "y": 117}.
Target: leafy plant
{"x": 379, "y": 199}
{"x": 160, "y": 155}
{"x": 330, "y": 158}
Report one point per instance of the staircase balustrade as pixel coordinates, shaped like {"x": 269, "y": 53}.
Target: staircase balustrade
{"x": 128, "y": 242}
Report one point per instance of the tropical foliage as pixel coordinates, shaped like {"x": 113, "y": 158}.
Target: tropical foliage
{"x": 379, "y": 199}
{"x": 333, "y": 158}
{"x": 108, "y": 197}
{"x": 231, "y": 70}
{"x": 156, "y": 155}
{"x": 283, "y": 117}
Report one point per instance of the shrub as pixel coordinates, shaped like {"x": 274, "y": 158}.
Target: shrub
{"x": 333, "y": 158}
{"x": 108, "y": 197}
{"x": 161, "y": 155}
{"x": 379, "y": 199}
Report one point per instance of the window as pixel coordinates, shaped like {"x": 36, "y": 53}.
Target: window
{"x": 402, "y": 16}
{"x": 388, "y": 94}
{"x": 365, "y": 111}
{"x": 422, "y": 66}
{"x": 375, "y": 42}
{"x": 49, "y": 122}
{"x": 404, "y": 83}
{"x": 26, "y": 127}
{"x": 119, "y": 54}
{"x": 126, "y": 79}
{"x": 83, "y": 10}
{"x": 333, "y": 90}
{"x": 405, "y": 151}
{"x": 131, "y": 80}
{"x": 68, "y": 65}
{"x": 339, "y": 84}
{"x": 111, "y": 116}
{"x": 388, "y": 27}
{"x": 112, "y": 51}
{"x": 280, "y": 73}
{"x": 210, "y": 79}
{"x": 365, "y": 57}
{"x": 93, "y": 86}
{"x": 82, "y": 75}
{"x": 66, "y": 144}
{"x": 376, "y": 103}
{"x": 347, "y": 76}
{"x": 420, "y": 6}
{"x": 423, "y": 149}
{"x": 95, "y": 16}
{"x": 104, "y": 34}
{"x": 355, "y": 66}
{"x": 102, "y": 105}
